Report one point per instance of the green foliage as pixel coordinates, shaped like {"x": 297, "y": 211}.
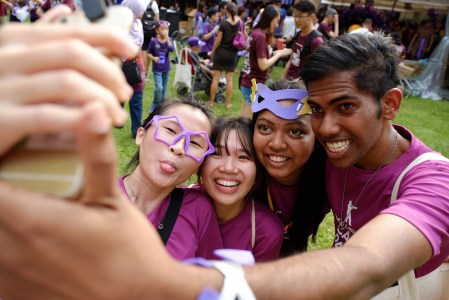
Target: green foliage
{"x": 427, "y": 119}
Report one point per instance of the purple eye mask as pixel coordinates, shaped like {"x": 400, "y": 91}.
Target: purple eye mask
{"x": 268, "y": 99}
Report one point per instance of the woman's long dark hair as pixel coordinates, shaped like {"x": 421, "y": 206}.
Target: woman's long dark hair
{"x": 311, "y": 203}
{"x": 269, "y": 13}
{"x": 232, "y": 10}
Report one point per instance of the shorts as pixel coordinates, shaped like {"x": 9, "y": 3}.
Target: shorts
{"x": 246, "y": 92}
{"x": 146, "y": 40}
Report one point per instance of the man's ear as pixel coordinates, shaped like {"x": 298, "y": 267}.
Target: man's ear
{"x": 391, "y": 103}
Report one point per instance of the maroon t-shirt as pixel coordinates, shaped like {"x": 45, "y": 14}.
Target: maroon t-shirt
{"x": 298, "y": 57}
{"x": 256, "y": 48}
{"x": 52, "y": 3}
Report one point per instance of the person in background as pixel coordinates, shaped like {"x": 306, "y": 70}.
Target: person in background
{"x": 224, "y": 54}
{"x": 200, "y": 19}
{"x": 159, "y": 53}
{"x": 135, "y": 103}
{"x": 210, "y": 31}
{"x": 4, "y": 6}
{"x": 148, "y": 35}
{"x": 229, "y": 177}
{"x": 289, "y": 27}
{"x": 279, "y": 32}
{"x": 52, "y": 3}
{"x": 193, "y": 58}
{"x": 401, "y": 50}
{"x": 367, "y": 27}
{"x": 330, "y": 21}
{"x": 257, "y": 57}
{"x": 306, "y": 41}
{"x": 422, "y": 40}
{"x": 34, "y": 6}
{"x": 222, "y": 6}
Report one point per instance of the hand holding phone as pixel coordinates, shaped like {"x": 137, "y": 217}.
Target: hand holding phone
{"x": 50, "y": 163}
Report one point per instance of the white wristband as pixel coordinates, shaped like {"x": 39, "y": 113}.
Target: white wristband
{"x": 235, "y": 285}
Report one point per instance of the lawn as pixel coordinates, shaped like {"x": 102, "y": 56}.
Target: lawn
{"x": 428, "y": 120}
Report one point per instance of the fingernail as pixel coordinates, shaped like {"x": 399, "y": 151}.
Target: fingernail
{"x": 122, "y": 116}
{"x": 98, "y": 119}
{"x": 126, "y": 92}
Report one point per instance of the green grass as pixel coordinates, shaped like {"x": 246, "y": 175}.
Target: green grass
{"x": 427, "y": 119}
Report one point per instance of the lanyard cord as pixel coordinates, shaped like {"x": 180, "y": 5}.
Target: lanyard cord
{"x": 276, "y": 211}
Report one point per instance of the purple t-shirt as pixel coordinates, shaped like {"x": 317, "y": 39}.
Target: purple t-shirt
{"x": 325, "y": 29}
{"x": 284, "y": 199}
{"x": 196, "y": 232}
{"x": 156, "y": 48}
{"x": 423, "y": 198}
{"x": 258, "y": 48}
{"x": 237, "y": 232}
{"x": 209, "y": 44}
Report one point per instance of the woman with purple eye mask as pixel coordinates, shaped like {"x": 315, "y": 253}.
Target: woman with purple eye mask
{"x": 294, "y": 163}
{"x": 173, "y": 142}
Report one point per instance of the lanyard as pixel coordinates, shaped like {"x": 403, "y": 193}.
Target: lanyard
{"x": 276, "y": 211}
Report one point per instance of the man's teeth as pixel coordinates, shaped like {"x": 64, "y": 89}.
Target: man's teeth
{"x": 337, "y": 146}
{"x": 227, "y": 183}
{"x": 278, "y": 158}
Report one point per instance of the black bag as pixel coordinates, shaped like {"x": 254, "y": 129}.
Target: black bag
{"x": 132, "y": 72}
{"x": 149, "y": 22}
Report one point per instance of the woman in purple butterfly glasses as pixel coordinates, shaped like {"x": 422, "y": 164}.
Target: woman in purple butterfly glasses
{"x": 173, "y": 142}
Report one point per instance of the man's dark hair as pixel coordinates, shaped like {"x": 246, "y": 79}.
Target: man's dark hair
{"x": 305, "y": 6}
{"x": 211, "y": 11}
{"x": 372, "y": 59}
{"x": 222, "y": 4}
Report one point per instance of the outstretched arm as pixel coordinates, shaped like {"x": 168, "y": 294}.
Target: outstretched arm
{"x": 373, "y": 259}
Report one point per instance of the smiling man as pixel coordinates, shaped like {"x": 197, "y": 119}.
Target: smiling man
{"x": 354, "y": 98}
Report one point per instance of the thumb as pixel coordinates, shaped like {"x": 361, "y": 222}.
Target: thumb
{"x": 98, "y": 153}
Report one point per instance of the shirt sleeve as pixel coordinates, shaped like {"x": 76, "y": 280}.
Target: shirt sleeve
{"x": 171, "y": 48}
{"x": 155, "y": 7}
{"x": 317, "y": 42}
{"x": 260, "y": 45}
{"x": 423, "y": 201}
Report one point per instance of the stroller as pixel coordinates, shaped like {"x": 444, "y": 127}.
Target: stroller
{"x": 200, "y": 76}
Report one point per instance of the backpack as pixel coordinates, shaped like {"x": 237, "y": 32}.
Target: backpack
{"x": 306, "y": 47}
{"x": 308, "y": 42}
{"x": 148, "y": 21}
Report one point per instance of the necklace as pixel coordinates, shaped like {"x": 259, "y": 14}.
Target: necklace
{"x": 352, "y": 206}
{"x": 134, "y": 199}
{"x": 133, "y": 195}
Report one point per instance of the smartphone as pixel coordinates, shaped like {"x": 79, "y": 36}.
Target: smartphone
{"x": 50, "y": 163}
{"x": 45, "y": 163}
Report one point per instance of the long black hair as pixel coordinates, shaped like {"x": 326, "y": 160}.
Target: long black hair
{"x": 311, "y": 204}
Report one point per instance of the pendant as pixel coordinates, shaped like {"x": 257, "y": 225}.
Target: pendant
{"x": 351, "y": 207}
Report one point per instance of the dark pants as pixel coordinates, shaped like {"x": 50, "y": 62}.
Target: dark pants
{"x": 135, "y": 110}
